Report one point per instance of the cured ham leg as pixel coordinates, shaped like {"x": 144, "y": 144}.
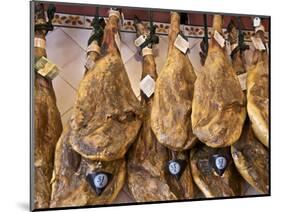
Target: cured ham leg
{"x": 251, "y": 159}
{"x": 47, "y": 122}
{"x": 171, "y": 109}
{"x": 148, "y": 172}
{"x": 218, "y": 107}
{"x": 107, "y": 114}
{"x": 258, "y": 93}
{"x": 147, "y": 158}
{"x": 72, "y": 183}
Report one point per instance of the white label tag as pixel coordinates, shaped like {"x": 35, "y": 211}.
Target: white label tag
{"x": 220, "y": 162}
{"x": 258, "y": 44}
{"x": 93, "y": 47}
{"x": 256, "y": 21}
{"x": 140, "y": 40}
{"x": 243, "y": 79}
{"x": 117, "y": 40}
{"x": 46, "y": 68}
{"x": 174, "y": 168}
{"x": 40, "y": 43}
{"x": 89, "y": 64}
{"x": 147, "y": 85}
{"x": 219, "y": 38}
{"x": 146, "y": 51}
{"x": 181, "y": 44}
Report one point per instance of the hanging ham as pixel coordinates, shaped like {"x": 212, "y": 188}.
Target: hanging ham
{"x": 78, "y": 181}
{"x": 171, "y": 109}
{"x": 148, "y": 173}
{"x": 251, "y": 159}
{"x": 47, "y": 121}
{"x": 218, "y": 107}
{"x": 258, "y": 91}
{"x": 146, "y": 157}
{"x": 107, "y": 115}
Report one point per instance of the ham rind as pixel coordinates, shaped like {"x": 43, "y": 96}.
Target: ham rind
{"x": 47, "y": 127}
{"x": 258, "y": 93}
{"x": 107, "y": 115}
{"x": 147, "y": 166}
{"x": 171, "y": 109}
{"x": 251, "y": 160}
{"x": 218, "y": 107}
{"x": 147, "y": 158}
{"x": 212, "y": 184}
{"x": 69, "y": 184}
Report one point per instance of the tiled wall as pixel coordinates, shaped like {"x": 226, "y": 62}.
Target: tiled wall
{"x": 67, "y": 48}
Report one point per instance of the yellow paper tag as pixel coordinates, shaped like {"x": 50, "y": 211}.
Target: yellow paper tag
{"x": 46, "y": 68}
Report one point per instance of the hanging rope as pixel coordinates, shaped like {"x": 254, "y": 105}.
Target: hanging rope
{"x": 47, "y": 26}
{"x": 204, "y": 45}
{"x": 98, "y": 28}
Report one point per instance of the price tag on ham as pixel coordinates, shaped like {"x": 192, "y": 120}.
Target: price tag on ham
{"x": 243, "y": 79}
{"x": 140, "y": 40}
{"x": 256, "y": 21}
{"x": 258, "y": 44}
{"x": 146, "y": 51}
{"x": 182, "y": 44}
{"x": 147, "y": 85}
{"x": 46, "y": 68}
{"x": 40, "y": 43}
{"x": 219, "y": 38}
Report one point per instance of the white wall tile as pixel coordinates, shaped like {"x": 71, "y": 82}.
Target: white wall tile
{"x": 61, "y": 49}
{"x": 129, "y": 39}
{"x": 123, "y": 198}
{"x": 80, "y": 36}
{"x": 194, "y": 55}
{"x": 66, "y": 116}
{"x": 73, "y": 71}
{"x": 134, "y": 71}
{"x": 65, "y": 94}
{"x": 126, "y": 52}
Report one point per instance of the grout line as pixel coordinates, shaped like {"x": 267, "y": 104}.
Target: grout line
{"x": 67, "y": 111}
{"x": 75, "y": 89}
{"x": 198, "y": 41}
{"x": 73, "y": 40}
